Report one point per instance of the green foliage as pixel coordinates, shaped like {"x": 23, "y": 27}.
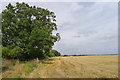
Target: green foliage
{"x": 12, "y": 52}
{"x": 65, "y": 55}
{"x": 56, "y": 53}
{"x": 16, "y": 52}
{"x": 5, "y": 52}
{"x": 51, "y": 55}
{"x": 28, "y": 67}
{"x": 29, "y": 29}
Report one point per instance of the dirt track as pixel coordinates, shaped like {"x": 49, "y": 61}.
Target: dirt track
{"x": 104, "y": 66}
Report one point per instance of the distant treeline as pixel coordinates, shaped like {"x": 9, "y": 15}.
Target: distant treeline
{"x": 89, "y": 54}
{"x": 73, "y": 55}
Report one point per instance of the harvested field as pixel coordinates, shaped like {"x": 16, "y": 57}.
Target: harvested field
{"x": 99, "y": 66}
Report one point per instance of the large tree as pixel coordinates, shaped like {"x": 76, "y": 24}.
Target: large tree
{"x": 30, "y": 28}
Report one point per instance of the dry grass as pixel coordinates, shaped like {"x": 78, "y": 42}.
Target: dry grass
{"x": 104, "y": 66}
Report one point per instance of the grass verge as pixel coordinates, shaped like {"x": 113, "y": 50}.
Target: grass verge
{"x": 29, "y": 66}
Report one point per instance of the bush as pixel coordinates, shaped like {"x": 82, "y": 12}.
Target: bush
{"x": 16, "y": 52}
{"x": 12, "y": 53}
{"x": 5, "y": 52}
{"x": 65, "y": 55}
{"x": 51, "y": 55}
{"x": 56, "y": 53}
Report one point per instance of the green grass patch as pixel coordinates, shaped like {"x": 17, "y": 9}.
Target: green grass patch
{"x": 28, "y": 67}
{"x": 45, "y": 65}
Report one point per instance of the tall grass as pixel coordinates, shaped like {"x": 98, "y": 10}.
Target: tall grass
{"x": 28, "y": 67}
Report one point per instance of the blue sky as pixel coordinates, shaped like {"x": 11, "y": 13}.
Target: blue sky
{"x": 85, "y": 27}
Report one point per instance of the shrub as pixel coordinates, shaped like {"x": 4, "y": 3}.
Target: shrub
{"x": 65, "y": 55}
{"x": 16, "y": 52}
{"x": 51, "y": 55}
{"x": 12, "y": 53}
{"x": 56, "y": 53}
{"x": 5, "y": 52}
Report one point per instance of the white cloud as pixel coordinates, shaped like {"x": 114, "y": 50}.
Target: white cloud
{"x": 76, "y": 7}
{"x": 98, "y": 31}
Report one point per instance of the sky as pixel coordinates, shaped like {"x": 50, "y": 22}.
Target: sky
{"x": 85, "y": 27}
